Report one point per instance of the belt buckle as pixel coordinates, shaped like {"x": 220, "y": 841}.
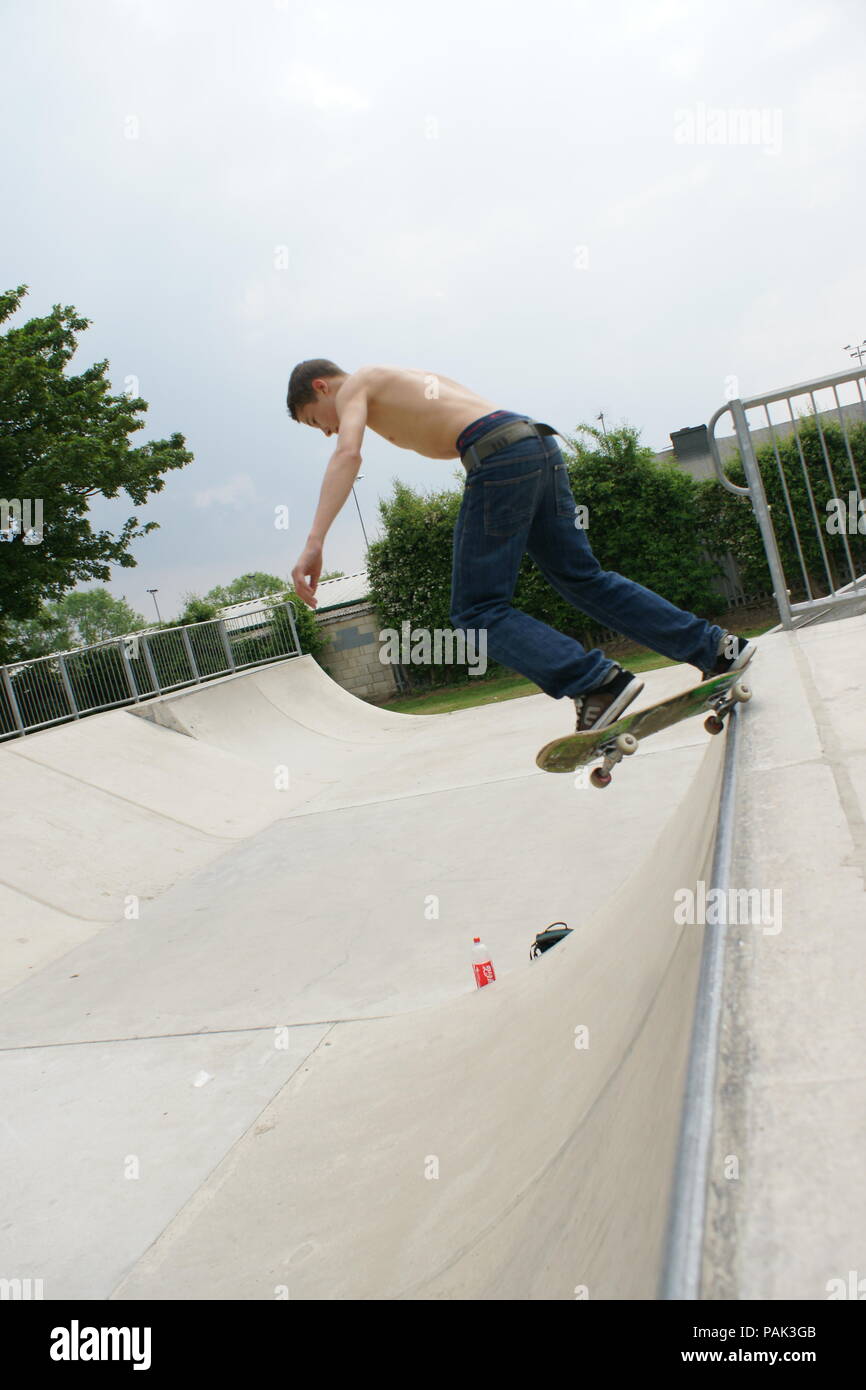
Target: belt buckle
{"x": 509, "y": 424}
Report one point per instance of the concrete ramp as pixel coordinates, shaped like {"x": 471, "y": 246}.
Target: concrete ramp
{"x": 296, "y": 698}
{"x": 240, "y": 1046}
{"x": 513, "y": 1144}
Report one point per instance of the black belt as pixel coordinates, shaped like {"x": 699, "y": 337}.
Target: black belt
{"x": 501, "y": 437}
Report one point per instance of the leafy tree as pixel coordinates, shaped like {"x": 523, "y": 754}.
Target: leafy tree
{"x": 196, "y": 610}
{"x": 48, "y": 632}
{"x": 76, "y": 620}
{"x": 246, "y": 587}
{"x": 96, "y": 615}
{"x": 258, "y": 584}
{"x": 64, "y": 439}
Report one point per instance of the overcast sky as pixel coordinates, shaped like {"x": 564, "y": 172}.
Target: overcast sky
{"x": 532, "y": 198}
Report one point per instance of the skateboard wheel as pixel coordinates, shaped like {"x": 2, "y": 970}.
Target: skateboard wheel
{"x": 742, "y": 691}
{"x": 627, "y": 744}
{"x": 713, "y": 724}
{"x": 599, "y": 778}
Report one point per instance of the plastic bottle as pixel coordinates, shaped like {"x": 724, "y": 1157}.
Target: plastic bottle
{"x": 482, "y": 965}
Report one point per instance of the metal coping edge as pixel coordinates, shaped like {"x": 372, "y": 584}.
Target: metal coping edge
{"x": 681, "y": 1267}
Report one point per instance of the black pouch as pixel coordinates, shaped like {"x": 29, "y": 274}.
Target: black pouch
{"x": 547, "y": 938}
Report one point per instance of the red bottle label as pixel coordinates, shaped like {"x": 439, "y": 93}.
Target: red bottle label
{"x": 484, "y": 973}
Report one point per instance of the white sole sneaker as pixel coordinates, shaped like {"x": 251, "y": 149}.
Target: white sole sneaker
{"x": 612, "y": 710}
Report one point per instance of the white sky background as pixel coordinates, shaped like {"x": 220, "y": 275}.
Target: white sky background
{"x": 432, "y": 172}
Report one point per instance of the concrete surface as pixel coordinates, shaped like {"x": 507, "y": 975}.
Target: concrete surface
{"x": 241, "y": 1053}
{"x": 787, "y": 1198}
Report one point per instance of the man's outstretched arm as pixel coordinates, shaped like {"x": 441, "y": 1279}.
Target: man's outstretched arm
{"x": 340, "y": 474}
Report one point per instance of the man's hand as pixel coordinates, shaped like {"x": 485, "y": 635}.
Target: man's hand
{"x": 340, "y": 474}
{"x": 305, "y": 575}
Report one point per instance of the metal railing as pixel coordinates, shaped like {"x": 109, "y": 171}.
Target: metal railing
{"x": 52, "y": 689}
{"x": 811, "y": 459}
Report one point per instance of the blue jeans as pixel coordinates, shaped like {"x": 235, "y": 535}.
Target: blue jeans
{"x": 517, "y": 501}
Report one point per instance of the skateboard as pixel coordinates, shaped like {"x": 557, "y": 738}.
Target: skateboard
{"x": 620, "y": 739}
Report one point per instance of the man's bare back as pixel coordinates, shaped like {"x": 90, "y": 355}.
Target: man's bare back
{"x": 411, "y": 408}
{"x": 419, "y": 410}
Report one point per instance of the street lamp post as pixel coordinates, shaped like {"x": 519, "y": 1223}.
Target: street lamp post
{"x": 858, "y": 351}
{"x": 154, "y": 593}
{"x": 358, "y": 505}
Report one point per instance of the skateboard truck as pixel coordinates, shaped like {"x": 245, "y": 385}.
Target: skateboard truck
{"x": 738, "y": 693}
{"x": 623, "y": 745}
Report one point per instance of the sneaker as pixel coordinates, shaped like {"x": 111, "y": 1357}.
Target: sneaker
{"x": 602, "y": 706}
{"x": 733, "y": 654}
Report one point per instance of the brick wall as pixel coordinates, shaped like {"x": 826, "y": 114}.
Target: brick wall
{"x": 352, "y": 655}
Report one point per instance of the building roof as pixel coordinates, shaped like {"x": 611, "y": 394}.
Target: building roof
{"x": 337, "y": 593}
{"x": 331, "y": 593}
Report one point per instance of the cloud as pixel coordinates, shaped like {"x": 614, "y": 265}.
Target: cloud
{"x": 315, "y": 89}
{"x": 682, "y": 62}
{"x": 802, "y": 30}
{"x": 643, "y": 19}
{"x": 238, "y": 488}
{"x": 664, "y": 191}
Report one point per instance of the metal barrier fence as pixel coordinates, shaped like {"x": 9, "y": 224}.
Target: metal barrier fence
{"x": 810, "y": 459}
{"x": 53, "y": 689}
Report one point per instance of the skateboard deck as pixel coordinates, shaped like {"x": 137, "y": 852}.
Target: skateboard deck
{"x": 715, "y": 698}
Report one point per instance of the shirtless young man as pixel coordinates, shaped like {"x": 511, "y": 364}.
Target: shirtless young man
{"x": 517, "y": 499}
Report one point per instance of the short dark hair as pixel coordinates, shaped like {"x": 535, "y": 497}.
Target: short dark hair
{"x": 301, "y": 381}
